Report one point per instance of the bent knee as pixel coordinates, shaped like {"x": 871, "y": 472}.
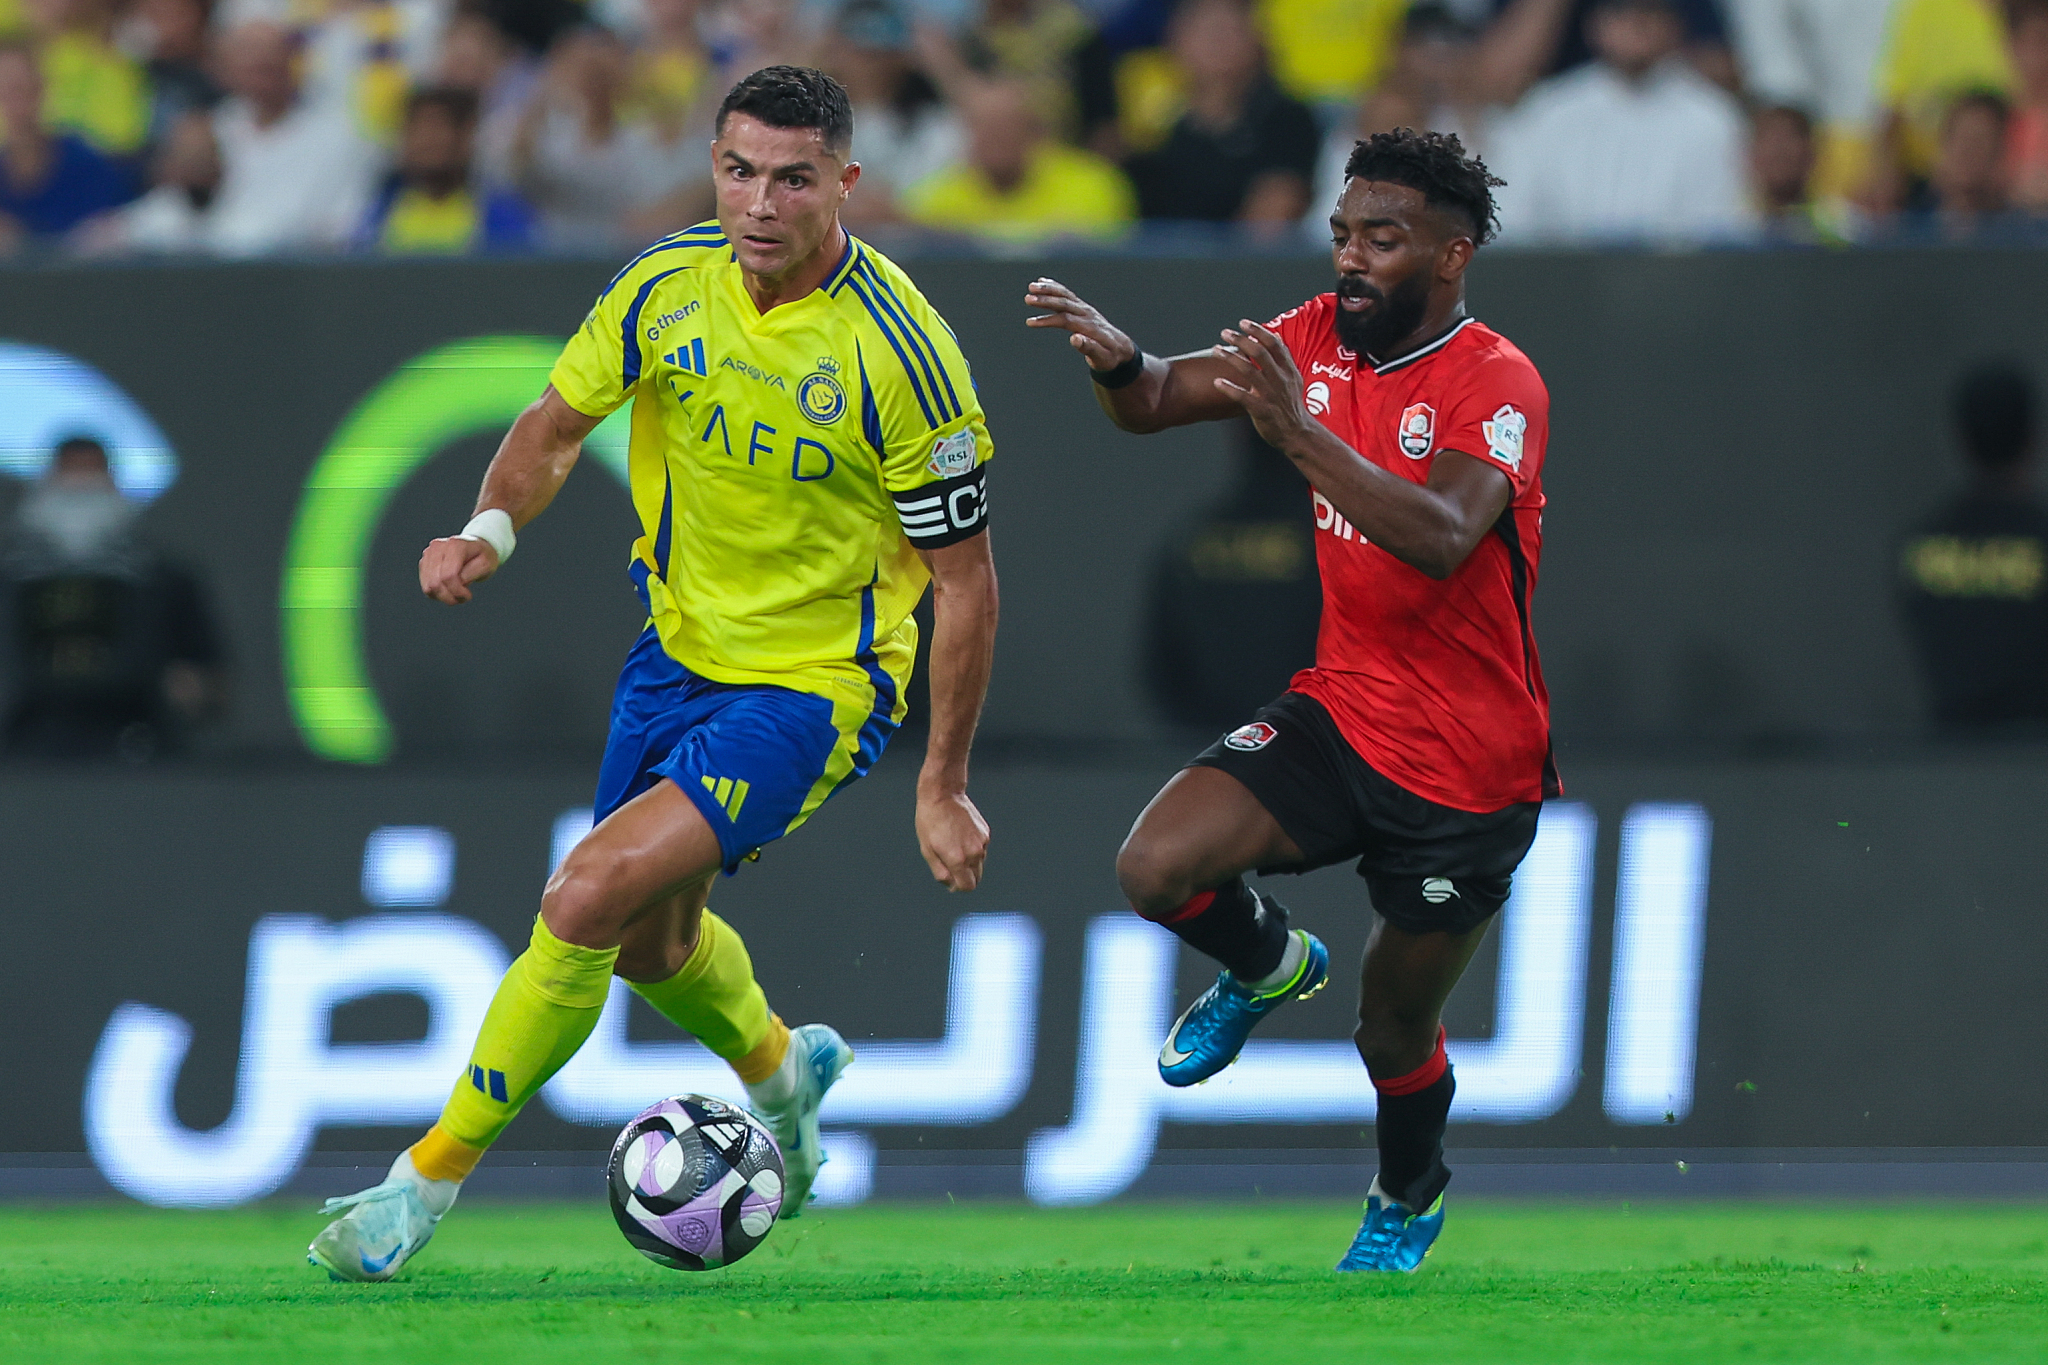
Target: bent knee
{"x": 585, "y": 902}
{"x": 1153, "y": 878}
{"x": 1391, "y": 1044}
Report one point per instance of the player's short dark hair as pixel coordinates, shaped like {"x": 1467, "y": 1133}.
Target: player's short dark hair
{"x": 457, "y": 104}
{"x": 1993, "y": 405}
{"x": 794, "y": 97}
{"x": 1435, "y": 164}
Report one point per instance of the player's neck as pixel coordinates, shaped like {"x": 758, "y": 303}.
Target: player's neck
{"x": 1438, "y": 320}
{"x": 803, "y": 277}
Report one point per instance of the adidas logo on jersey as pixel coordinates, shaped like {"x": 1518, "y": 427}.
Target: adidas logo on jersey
{"x": 690, "y": 358}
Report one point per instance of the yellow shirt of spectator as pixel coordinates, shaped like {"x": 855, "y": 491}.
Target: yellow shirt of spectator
{"x": 95, "y": 91}
{"x": 1935, "y": 51}
{"x": 786, "y": 466}
{"x": 1331, "y": 50}
{"x": 419, "y": 223}
{"x": 1064, "y": 191}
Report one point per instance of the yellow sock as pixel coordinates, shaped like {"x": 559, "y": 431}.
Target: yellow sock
{"x": 544, "y": 1010}
{"x": 716, "y": 998}
{"x": 440, "y": 1157}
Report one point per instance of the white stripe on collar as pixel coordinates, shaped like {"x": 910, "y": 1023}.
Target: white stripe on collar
{"x": 1428, "y": 348}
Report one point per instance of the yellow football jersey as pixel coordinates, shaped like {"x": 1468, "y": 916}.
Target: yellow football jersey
{"x": 786, "y": 466}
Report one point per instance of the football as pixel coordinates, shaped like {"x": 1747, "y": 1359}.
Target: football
{"x": 696, "y": 1183}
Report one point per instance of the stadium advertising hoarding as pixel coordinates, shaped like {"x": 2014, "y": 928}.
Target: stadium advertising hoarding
{"x": 291, "y": 1080}
{"x": 283, "y": 967}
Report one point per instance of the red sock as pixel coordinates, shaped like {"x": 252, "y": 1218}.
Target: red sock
{"x": 1422, "y": 1077}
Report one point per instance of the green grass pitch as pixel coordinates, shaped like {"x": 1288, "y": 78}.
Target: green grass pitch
{"x": 983, "y": 1284}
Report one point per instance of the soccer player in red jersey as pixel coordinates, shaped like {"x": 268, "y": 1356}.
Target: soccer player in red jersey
{"x": 1419, "y": 743}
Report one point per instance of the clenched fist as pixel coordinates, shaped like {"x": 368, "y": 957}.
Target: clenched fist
{"x": 450, "y": 564}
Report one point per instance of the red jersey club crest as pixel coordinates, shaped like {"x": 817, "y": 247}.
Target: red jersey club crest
{"x": 1418, "y": 430}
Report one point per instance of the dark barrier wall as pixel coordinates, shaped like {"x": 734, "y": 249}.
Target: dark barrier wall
{"x": 1737, "y": 440}
{"x": 204, "y": 979}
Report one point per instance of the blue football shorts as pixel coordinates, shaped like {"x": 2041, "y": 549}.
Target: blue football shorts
{"x": 756, "y": 759}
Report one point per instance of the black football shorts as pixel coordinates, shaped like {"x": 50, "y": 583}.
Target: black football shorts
{"x": 1430, "y": 868}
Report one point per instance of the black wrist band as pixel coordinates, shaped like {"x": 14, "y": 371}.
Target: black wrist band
{"x": 1123, "y": 375}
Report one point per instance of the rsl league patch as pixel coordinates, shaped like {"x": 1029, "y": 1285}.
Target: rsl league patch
{"x": 1257, "y": 735}
{"x": 820, "y": 395}
{"x": 1504, "y": 435}
{"x": 1418, "y": 430}
{"x": 952, "y": 455}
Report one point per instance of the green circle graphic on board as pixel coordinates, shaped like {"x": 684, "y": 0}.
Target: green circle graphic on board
{"x": 461, "y": 389}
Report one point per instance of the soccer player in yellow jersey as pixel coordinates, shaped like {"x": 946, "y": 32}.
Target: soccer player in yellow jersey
{"x": 807, "y": 455}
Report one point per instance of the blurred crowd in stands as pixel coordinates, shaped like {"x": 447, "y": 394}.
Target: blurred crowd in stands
{"x": 243, "y": 127}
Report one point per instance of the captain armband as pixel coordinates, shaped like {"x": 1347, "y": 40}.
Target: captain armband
{"x": 946, "y": 512}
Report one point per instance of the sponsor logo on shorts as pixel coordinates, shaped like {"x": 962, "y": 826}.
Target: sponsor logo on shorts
{"x": 1257, "y": 735}
{"x": 731, "y": 793}
{"x": 1418, "y": 430}
{"x": 1437, "y": 890}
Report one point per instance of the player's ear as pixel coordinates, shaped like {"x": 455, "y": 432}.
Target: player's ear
{"x": 1455, "y": 256}
{"x": 849, "y": 177}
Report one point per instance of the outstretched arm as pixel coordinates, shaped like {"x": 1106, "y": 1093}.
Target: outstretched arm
{"x": 526, "y": 473}
{"x": 1431, "y": 526}
{"x": 950, "y": 831}
{"x": 1166, "y": 393}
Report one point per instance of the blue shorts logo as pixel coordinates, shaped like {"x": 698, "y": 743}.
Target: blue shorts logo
{"x": 820, "y": 396}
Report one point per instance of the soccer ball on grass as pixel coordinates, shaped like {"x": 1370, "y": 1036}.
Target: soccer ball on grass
{"x": 695, "y": 1183}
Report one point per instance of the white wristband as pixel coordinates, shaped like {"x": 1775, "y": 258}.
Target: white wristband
{"x": 494, "y": 528}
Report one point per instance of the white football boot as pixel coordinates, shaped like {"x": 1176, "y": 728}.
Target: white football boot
{"x": 817, "y": 1054}
{"x": 384, "y": 1225}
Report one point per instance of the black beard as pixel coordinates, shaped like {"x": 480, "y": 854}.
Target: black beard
{"x": 1392, "y": 320}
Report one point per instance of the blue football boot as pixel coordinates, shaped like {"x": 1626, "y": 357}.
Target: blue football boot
{"x": 1212, "y": 1032}
{"x": 1392, "y": 1238}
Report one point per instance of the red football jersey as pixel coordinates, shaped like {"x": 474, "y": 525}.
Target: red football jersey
{"x": 1435, "y": 684}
